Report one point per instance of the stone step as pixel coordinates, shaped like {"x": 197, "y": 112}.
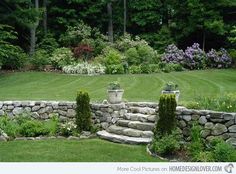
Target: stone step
{"x": 123, "y": 139}
{"x": 142, "y": 110}
{"x": 140, "y": 117}
{"x": 142, "y": 104}
{"x": 144, "y": 126}
{"x": 129, "y": 132}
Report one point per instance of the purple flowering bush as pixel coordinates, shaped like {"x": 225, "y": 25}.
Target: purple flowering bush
{"x": 195, "y": 57}
{"x": 220, "y": 59}
{"x": 173, "y": 55}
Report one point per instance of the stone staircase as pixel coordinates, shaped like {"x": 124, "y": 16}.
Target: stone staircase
{"x": 135, "y": 127}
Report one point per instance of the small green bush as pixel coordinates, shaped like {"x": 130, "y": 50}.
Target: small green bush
{"x": 167, "y": 117}
{"x": 40, "y": 59}
{"x": 196, "y": 146}
{"x": 134, "y": 69}
{"x": 154, "y": 68}
{"x": 145, "y": 68}
{"x": 132, "y": 56}
{"x": 33, "y": 128}
{"x": 166, "y": 145}
{"x": 62, "y": 57}
{"x": 115, "y": 69}
{"x": 9, "y": 126}
{"x": 52, "y": 125}
{"x": 112, "y": 57}
{"x": 83, "y": 112}
{"x": 48, "y": 43}
{"x": 223, "y": 152}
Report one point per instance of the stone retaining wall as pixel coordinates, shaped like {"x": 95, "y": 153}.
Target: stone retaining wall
{"x": 214, "y": 124}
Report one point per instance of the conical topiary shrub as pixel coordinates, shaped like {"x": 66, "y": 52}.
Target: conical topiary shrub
{"x": 83, "y": 112}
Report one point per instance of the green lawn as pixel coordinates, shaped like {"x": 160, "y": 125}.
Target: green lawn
{"x": 53, "y": 86}
{"x": 91, "y": 150}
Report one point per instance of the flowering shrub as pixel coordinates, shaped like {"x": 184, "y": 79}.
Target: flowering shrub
{"x": 195, "y": 57}
{"x": 68, "y": 128}
{"x": 220, "y": 59}
{"x": 83, "y": 51}
{"x": 173, "y": 55}
{"x": 84, "y": 68}
{"x": 62, "y": 57}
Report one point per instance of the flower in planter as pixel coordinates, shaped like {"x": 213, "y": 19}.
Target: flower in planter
{"x": 170, "y": 86}
{"x": 114, "y": 86}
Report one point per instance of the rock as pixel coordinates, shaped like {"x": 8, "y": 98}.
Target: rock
{"x": 219, "y": 129}
{"x": 10, "y": 107}
{"x": 209, "y": 125}
{"x": 217, "y": 120}
{"x": 35, "y": 108}
{"x": 147, "y": 134}
{"x": 73, "y": 138}
{"x": 86, "y": 133}
{"x": 55, "y": 105}
{"x": 152, "y": 118}
{"x": 202, "y": 120}
{"x": 105, "y": 102}
{"x": 20, "y": 138}
{"x": 34, "y": 115}
{"x": 186, "y": 112}
{"x": 17, "y": 103}
{"x": 195, "y": 117}
{"x": 1, "y": 104}
{"x": 27, "y": 109}
{"x": 2, "y": 112}
{"x": 232, "y": 141}
{"x": 141, "y": 126}
{"x": 17, "y": 111}
{"x": 228, "y": 116}
{"x": 115, "y": 114}
{"x": 217, "y": 115}
{"x": 182, "y": 124}
{"x": 71, "y": 113}
{"x": 2, "y": 138}
{"x": 122, "y": 112}
{"x": 61, "y": 112}
{"x": 187, "y": 117}
{"x": 205, "y": 133}
{"x": 186, "y": 131}
{"x": 132, "y": 132}
{"x": 232, "y": 128}
{"x": 114, "y": 120}
{"x": 229, "y": 123}
{"x": 104, "y": 125}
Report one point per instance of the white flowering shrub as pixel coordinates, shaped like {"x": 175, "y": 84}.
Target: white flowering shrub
{"x": 62, "y": 57}
{"x": 68, "y": 128}
{"x": 84, "y": 68}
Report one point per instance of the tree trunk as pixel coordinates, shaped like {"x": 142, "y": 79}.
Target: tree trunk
{"x": 45, "y": 17}
{"x": 125, "y": 16}
{"x": 203, "y": 41}
{"x": 110, "y": 25}
{"x": 33, "y": 32}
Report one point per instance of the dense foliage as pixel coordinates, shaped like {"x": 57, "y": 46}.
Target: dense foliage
{"x": 159, "y": 32}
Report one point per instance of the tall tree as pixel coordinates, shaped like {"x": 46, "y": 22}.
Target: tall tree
{"x": 110, "y": 22}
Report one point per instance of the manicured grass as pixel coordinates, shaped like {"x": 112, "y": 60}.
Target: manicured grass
{"x": 91, "y": 150}
{"x": 53, "y": 86}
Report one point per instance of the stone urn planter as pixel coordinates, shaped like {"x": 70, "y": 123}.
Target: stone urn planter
{"x": 115, "y": 93}
{"x": 171, "y": 88}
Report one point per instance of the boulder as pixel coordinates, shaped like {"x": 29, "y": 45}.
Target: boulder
{"x": 219, "y": 129}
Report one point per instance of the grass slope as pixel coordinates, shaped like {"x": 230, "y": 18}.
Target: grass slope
{"x": 91, "y": 150}
{"x": 52, "y": 86}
